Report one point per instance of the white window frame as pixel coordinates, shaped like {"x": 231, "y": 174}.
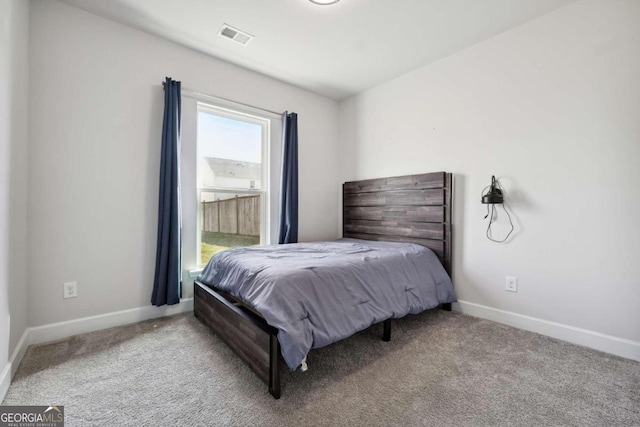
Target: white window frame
{"x": 189, "y": 184}
{"x": 265, "y": 194}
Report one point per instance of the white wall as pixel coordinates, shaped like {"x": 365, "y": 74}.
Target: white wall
{"x": 96, "y": 115}
{"x": 14, "y": 28}
{"x": 19, "y": 176}
{"x": 5, "y": 183}
{"x": 14, "y": 20}
{"x": 552, "y": 108}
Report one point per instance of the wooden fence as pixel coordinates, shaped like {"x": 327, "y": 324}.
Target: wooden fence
{"x": 240, "y": 215}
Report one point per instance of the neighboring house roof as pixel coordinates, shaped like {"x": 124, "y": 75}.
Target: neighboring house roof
{"x": 234, "y": 168}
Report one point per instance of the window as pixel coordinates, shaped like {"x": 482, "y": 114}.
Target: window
{"x": 232, "y": 180}
{"x": 250, "y": 140}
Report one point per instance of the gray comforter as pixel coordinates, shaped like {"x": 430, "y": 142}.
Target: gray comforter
{"x": 321, "y": 292}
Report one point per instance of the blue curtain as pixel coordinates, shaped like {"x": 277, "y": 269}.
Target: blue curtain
{"x": 289, "y": 191}
{"x": 166, "y": 285}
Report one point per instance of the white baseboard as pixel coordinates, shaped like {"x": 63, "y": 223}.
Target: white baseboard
{"x": 12, "y": 366}
{"x": 5, "y": 380}
{"x": 19, "y": 351}
{"x": 607, "y": 343}
{"x": 69, "y": 328}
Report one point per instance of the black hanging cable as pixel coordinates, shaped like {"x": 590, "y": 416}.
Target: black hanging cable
{"x": 482, "y": 194}
{"x": 492, "y": 214}
{"x": 491, "y": 222}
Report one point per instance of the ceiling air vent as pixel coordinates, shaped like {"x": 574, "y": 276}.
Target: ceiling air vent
{"x": 238, "y": 36}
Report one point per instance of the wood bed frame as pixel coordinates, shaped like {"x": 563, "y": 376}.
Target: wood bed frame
{"x": 412, "y": 208}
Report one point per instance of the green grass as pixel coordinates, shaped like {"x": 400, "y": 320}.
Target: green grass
{"x": 212, "y": 243}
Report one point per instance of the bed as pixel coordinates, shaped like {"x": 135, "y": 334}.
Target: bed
{"x": 276, "y": 303}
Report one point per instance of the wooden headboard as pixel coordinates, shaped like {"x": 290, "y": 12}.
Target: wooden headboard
{"x": 411, "y": 208}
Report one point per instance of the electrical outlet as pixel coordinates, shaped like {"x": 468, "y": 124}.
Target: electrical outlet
{"x": 511, "y": 284}
{"x": 70, "y": 290}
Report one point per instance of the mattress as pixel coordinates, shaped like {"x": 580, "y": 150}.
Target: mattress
{"x": 321, "y": 292}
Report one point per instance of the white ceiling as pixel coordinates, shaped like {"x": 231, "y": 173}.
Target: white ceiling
{"x": 337, "y": 50}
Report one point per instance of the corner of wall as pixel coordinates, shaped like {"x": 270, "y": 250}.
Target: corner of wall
{"x": 18, "y": 173}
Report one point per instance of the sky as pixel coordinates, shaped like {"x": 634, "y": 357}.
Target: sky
{"x": 228, "y": 138}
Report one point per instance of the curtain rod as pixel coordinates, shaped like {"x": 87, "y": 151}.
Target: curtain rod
{"x": 218, "y": 98}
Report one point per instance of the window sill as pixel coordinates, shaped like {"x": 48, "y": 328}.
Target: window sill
{"x": 195, "y": 273}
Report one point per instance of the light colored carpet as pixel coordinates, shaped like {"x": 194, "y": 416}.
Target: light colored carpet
{"x": 439, "y": 369}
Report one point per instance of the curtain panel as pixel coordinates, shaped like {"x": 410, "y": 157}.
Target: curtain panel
{"x": 167, "y": 281}
{"x": 288, "y": 227}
